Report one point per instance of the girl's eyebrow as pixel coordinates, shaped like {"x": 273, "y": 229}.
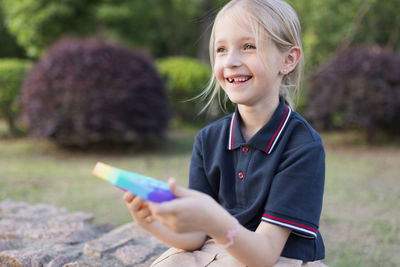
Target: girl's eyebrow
{"x": 248, "y": 38}
{"x": 243, "y": 39}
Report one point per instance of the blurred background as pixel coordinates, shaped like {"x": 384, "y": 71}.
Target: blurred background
{"x": 84, "y": 81}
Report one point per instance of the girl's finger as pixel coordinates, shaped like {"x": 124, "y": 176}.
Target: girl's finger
{"x": 144, "y": 213}
{"x": 137, "y": 203}
{"x": 128, "y": 197}
{"x": 149, "y": 219}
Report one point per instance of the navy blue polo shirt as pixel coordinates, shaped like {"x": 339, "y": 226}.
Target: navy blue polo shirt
{"x": 277, "y": 176}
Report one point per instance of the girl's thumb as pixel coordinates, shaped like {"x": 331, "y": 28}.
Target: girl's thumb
{"x": 178, "y": 191}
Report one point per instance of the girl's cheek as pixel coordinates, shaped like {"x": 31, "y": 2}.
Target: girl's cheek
{"x": 218, "y": 72}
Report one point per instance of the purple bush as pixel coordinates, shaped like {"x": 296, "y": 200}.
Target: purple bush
{"x": 88, "y": 91}
{"x": 359, "y": 88}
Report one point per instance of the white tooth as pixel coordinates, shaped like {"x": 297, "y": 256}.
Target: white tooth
{"x": 240, "y": 79}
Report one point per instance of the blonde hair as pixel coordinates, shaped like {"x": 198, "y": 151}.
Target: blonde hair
{"x": 271, "y": 20}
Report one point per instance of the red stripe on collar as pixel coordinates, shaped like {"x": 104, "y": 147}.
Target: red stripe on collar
{"x": 277, "y": 133}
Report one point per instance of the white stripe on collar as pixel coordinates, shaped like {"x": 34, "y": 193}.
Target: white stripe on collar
{"x": 230, "y": 141}
{"x": 280, "y": 131}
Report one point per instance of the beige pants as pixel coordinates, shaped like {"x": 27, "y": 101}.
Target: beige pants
{"x": 212, "y": 255}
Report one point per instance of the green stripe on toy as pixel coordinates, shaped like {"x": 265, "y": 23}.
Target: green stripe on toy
{"x": 139, "y": 185}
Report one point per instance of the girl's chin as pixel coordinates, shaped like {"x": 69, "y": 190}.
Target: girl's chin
{"x": 235, "y": 96}
{"x": 238, "y": 101}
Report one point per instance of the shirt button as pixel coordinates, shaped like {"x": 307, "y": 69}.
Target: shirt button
{"x": 241, "y": 175}
{"x": 245, "y": 149}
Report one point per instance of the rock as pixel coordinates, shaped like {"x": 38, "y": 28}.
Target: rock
{"x": 43, "y": 235}
{"x": 9, "y": 206}
{"x": 8, "y": 226}
{"x": 109, "y": 241}
{"x": 38, "y": 212}
{"x": 7, "y": 236}
{"x": 105, "y": 227}
{"x": 68, "y": 233}
{"x": 9, "y": 244}
{"x": 82, "y": 264}
{"x": 23, "y": 258}
{"x": 74, "y": 217}
{"x": 74, "y": 237}
{"x": 133, "y": 254}
{"x": 63, "y": 248}
{"x": 63, "y": 259}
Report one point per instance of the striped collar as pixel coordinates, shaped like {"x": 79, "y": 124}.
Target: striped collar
{"x": 267, "y": 137}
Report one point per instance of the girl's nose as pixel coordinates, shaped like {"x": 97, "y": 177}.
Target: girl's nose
{"x": 233, "y": 59}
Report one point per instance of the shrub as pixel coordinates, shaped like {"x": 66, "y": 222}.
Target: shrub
{"x": 186, "y": 77}
{"x": 360, "y": 88}
{"x": 88, "y": 91}
{"x": 12, "y": 73}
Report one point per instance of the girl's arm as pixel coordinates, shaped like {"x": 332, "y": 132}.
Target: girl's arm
{"x": 260, "y": 248}
{"x": 197, "y": 212}
{"x": 142, "y": 215}
{"x": 185, "y": 241}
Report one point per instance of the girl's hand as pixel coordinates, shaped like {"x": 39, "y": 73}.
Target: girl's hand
{"x": 139, "y": 209}
{"x": 190, "y": 212}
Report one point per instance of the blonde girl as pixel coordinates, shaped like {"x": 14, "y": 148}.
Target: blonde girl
{"x": 256, "y": 176}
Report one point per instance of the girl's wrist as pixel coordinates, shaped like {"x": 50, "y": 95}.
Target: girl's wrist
{"x": 209, "y": 221}
{"x": 230, "y": 235}
{"x": 223, "y": 228}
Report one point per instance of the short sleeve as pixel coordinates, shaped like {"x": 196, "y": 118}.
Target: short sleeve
{"x": 197, "y": 175}
{"x": 296, "y": 194}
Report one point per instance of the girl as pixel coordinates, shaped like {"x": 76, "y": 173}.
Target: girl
{"x": 256, "y": 176}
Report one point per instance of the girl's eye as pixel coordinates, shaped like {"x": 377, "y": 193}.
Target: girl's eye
{"x": 249, "y": 46}
{"x": 220, "y": 50}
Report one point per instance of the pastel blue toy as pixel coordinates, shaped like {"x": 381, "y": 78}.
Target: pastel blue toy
{"x": 145, "y": 187}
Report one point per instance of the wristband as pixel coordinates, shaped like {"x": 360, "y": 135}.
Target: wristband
{"x": 230, "y": 235}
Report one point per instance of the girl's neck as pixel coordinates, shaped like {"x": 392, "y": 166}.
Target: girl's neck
{"x": 255, "y": 117}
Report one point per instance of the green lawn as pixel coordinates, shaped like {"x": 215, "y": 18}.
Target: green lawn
{"x": 360, "y": 221}
{"x": 361, "y": 213}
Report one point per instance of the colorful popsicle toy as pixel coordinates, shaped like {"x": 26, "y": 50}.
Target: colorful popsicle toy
{"x": 145, "y": 187}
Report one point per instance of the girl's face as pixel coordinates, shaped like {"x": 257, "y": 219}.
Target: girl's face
{"x": 247, "y": 77}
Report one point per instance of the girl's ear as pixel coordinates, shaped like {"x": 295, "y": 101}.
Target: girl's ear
{"x": 291, "y": 58}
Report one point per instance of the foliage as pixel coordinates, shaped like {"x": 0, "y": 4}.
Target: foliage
{"x": 167, "y": 27}
{"x": 37, "y": 23}
{"x": 181, "y": 27}
{"x": 12, "y": 73}
{"x": 360, "y": 87}
{"x": 8, "y": 44}
{"x": 88, "y": 91}
{"x": 186, "y": 77}
{"x": 329, "y": 25}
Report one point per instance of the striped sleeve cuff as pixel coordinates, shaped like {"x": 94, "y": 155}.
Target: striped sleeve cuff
{"x": 298, "y": 229}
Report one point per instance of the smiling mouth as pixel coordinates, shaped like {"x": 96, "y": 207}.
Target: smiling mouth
{"x": 238, "y": 79}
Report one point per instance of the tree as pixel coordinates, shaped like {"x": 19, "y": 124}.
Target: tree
{"x": 8, "y": 44}
{"x": 37, "y": 23}
{"x": 168, "y": 27}
{"x": 331, "y": 25}
{"x": 12, "y": 73}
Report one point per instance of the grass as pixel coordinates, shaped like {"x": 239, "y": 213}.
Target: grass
{"x": 35, "y": 171}
{"x": 360, "y": 220}
{"x": 360, "y": 216}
